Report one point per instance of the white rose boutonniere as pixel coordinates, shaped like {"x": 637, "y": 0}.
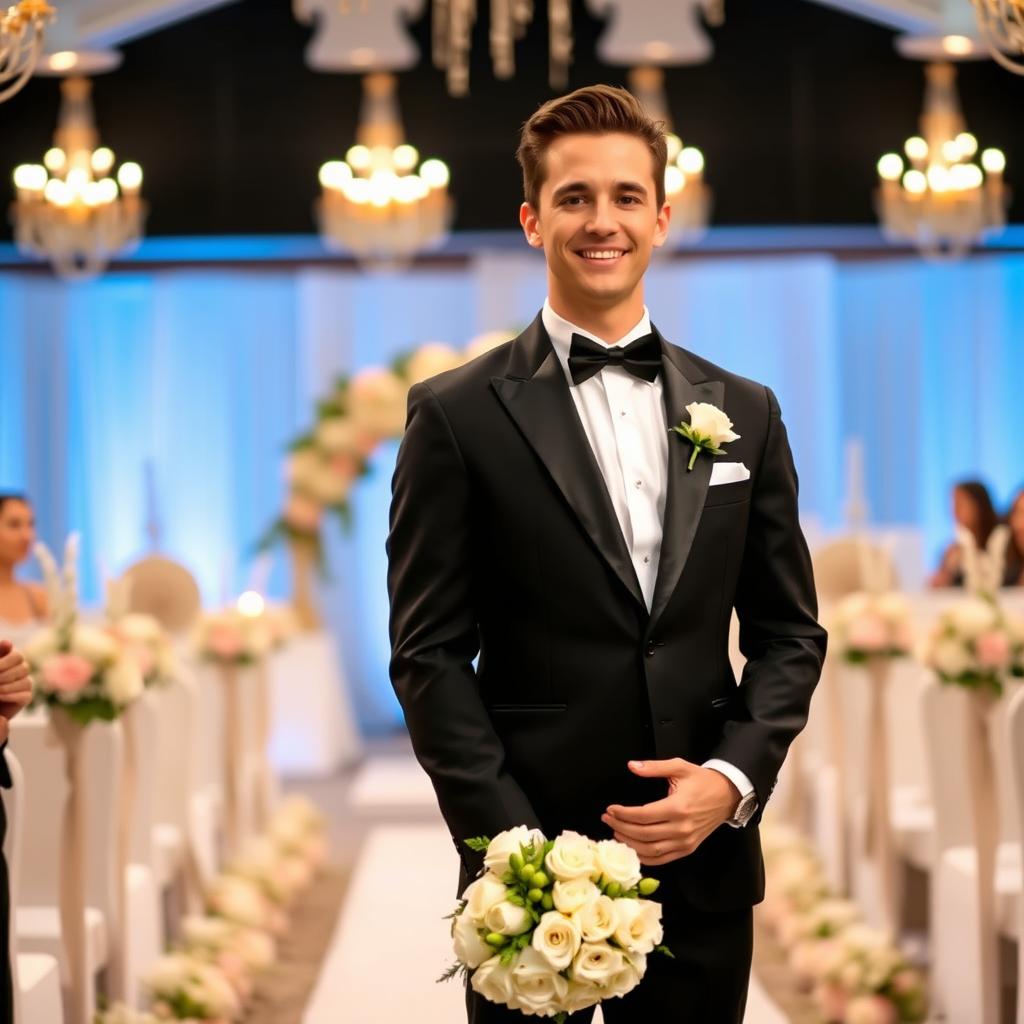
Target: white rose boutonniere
{"x": 709, "y": 428}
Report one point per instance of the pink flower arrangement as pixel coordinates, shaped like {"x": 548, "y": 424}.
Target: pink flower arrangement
{"x": 66, "y": 673}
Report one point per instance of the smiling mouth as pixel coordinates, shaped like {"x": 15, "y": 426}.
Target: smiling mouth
{"x": 605, "y": 257}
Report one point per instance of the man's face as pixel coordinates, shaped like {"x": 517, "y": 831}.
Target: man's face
{"x": 599, "y": 217}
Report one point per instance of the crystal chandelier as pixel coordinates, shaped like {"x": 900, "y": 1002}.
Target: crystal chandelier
{"x": 69, "y": 209}
{"x": 1002, "y": 25}
{"x": 684, "y": 175}
{"x": 943, "y": 202}
{"x": 22, "y": 29}
{"x": 375, "y": 203}
{"x": 453, "y": 30}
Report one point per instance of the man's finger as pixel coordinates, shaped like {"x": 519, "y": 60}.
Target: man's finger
{"x": 642, "y": 833}
{"x": 660, "y": 769}
{"x": 657, "y": 811}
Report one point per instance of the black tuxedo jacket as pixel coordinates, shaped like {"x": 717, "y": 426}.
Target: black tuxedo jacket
{"x": 504, "y": 543}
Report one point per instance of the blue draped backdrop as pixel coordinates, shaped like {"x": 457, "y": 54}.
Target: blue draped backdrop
{"x": 204, "y": 376}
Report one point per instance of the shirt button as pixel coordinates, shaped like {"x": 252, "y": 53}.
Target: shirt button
{"x": 638, "y": 483}
{"x": 647, "y": 558}
{"x": 622, "y": 413}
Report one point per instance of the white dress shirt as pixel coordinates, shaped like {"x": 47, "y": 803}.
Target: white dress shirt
{"x": 624, "y": 419}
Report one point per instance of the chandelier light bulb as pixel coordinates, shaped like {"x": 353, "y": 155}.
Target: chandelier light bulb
{"x": 674, "y": 144}
{"x": 435, "y": 173}
{"x": 967, "y": 144}
{"x": 890, "y": 167}
{"x": 938, "y": 178}
{"x": 357, "y": 190}
{"x": 55, "y": 160}
{"x": 358, "y": 157}
{"x": 63, "y": 60}
{"x": 675, "y": 180}
{"x": 30, "y": 177}
{"x": 916, "y": 148}
{"x": 106, "y": 189}
{"x": 691, "y": 161}
{"x": 102, "y": 160}
{"x": 129, "y": 176}
{"x": 334, "y": 174}
{"x": 951, "y": 151}
{"x": 915, "y": 183}
{"x": 958, "y": 46}
{"x": 994, "y": 161}
{"x": 406, "y": 157}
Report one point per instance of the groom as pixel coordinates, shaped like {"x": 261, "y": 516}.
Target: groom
{"x": 545, "y": 518}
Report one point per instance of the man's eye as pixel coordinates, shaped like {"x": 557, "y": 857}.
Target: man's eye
{"x": 633, "y": 200}
{"x": 572, "y": 200}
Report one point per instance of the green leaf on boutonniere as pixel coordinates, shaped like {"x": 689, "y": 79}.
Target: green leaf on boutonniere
{"x": 700, "y": 442}
{"x": 666, "y": 951}
{"x": 478, "y": 844}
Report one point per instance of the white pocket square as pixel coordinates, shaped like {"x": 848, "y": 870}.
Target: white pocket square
{"x": 728, "y": 473}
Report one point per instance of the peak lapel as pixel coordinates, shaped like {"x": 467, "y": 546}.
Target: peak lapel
{"x": 686, "y": 489}
{"x": 536, "y": 395}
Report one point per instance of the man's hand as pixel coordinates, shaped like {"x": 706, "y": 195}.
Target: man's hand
{"x": 15, "y": 682}
{"x": 699, "y": 800}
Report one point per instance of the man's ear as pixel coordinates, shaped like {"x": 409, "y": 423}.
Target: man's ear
{"x": 530, "y": 221}
{"x": 661, "y": 227}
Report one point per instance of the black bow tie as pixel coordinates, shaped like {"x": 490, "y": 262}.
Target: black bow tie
{"x": 641, "y": 357}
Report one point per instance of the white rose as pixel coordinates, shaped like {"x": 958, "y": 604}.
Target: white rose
{"x": 93, "y": 644}
{"x": 336, "y": 434}
{"x": 256, "y": 948}
{"x": 493, "y": 981}
{"x": 168, "y": 973}
{"x": 483, "y": 894}
{"x": 208, "y": 932}
{"x": 709, "y": 421}
{"x": 972, "y": 616}
{"x": 536, "y": 987}
{"x": 580, "y": 996}
{"x": 852, "y": 607}
{"x": 430, "y": 360}
{"x": 639, "y": 929}
{"x": 507, "y": 919}
{"x": 893, "y": 607}
{"x": 597, "y": 963}
{"x": 571, "y": 857}
{"x": 557, "y": 938}
{"x": 618, "y": 863}
{"x": 377, "y": 401}
{"x": 597, "y": 920}
{"x": 624, "y": 980}
{"x": 123, "y": 682}
{"x": 950, "y": 657}
{"x": 41, "y": 645}
{"x": 570, "y": 896}
{"x": 143, "y": 628}
{"x": 504, "y": 844}
{"x": 469, "y": 947}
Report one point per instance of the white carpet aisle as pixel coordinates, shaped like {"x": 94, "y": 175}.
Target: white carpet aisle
{"x": 383, "y": 922}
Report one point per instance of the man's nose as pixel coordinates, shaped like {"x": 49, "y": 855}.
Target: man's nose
{"x": 602, "y": 221}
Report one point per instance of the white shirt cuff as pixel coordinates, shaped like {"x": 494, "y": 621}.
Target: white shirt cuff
{"x": 748, "y": 801}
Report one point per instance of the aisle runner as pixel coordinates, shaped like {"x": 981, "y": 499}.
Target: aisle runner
{"x": 403, "y": 884}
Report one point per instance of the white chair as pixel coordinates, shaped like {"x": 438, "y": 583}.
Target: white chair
{"x": 36, "y": 976}
{"x": 36, "y": 898}
{"x": 1015, "y": 743}
{"x": 965, "y": 934}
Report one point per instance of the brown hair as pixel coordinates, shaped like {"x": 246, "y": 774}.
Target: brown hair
{"x": 593, "y": 110}
{"x": 988, "y": 518}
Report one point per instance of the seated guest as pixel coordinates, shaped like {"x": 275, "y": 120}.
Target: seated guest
{"x": 1015, "y": 554}
{"x": 22, "y": 605}
{"x": 15, "y": 693}
{"x": 973, "y": 509}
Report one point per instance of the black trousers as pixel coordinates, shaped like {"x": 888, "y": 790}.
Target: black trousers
{"x": 706, "y": 983}
{"x": 6, "y": 981}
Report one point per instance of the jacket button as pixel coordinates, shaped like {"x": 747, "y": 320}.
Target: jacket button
{"x": 650, "y": 649}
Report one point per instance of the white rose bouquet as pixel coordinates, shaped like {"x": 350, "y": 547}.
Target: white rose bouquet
{"x": 281, "y": 874}
{"x": 868, "y": 625}
{"x": 554, "y": 926}
{"x": 186, "y": 987}
{"x": 299, "y": 829}
{"x": 974, "y": 644}
{"x": 231, "y": 637}
{"x": 143, "y": 638}
{"x": 79, "y": 668}
{"x": 238, "y": 952}
{"x": 243, "y": 902}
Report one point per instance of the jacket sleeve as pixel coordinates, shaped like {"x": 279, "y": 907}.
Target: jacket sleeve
{"x": 434, "y": 633}
{"x": 779, "y": 633}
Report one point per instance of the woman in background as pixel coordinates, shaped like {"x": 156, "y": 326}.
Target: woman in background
{"x": 23, "y": 605}
{"x": 972, "y": 509}
{"x": 1015, "y": 555}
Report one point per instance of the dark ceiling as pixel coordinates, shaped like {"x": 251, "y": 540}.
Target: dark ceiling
{"x": 230, "y": 126}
